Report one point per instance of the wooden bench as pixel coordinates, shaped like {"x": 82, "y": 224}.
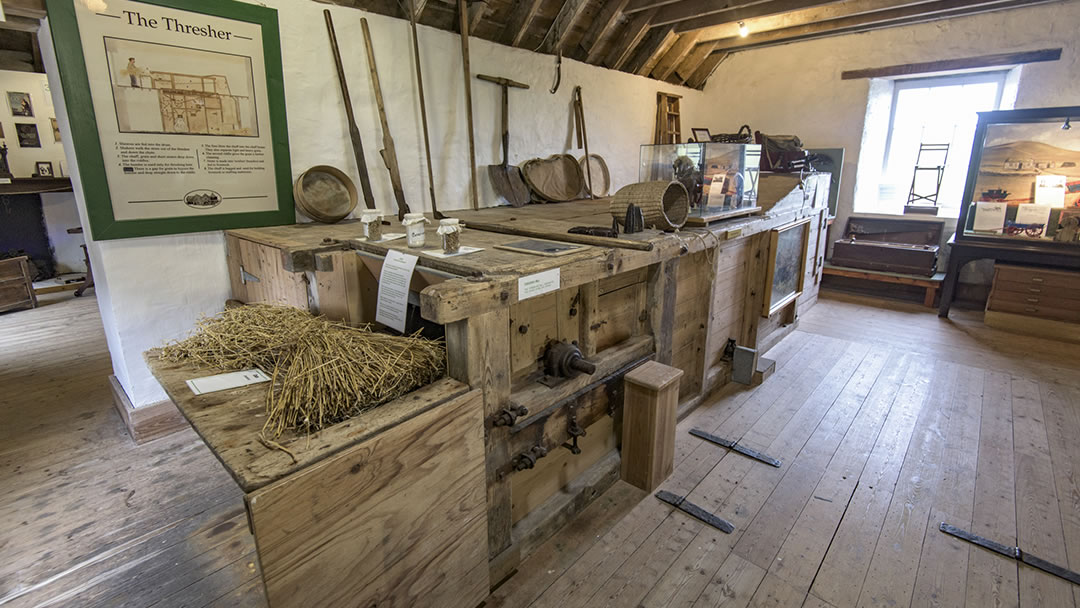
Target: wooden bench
{"x": 930, "y": 284}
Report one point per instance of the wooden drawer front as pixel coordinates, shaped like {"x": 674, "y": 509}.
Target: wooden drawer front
{"x": 1038, "y": 277}
{"x": 1049, "y": 298}
{"x": 1036, "y": 289}
{"x": 1071, "y": 315}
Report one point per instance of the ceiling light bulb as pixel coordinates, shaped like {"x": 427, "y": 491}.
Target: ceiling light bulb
{"x": 743, "y": 30}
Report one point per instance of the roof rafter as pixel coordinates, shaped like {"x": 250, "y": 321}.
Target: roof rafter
{"x": 632, "y": 35}
{"x": 602, "y": 26}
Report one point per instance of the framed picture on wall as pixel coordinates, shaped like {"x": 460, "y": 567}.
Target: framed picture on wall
{"x": 20, "y": 104}
{"x": 211, "y": 72}
{"x": 787, "y": 265}
{"x": 43, "y": 168}
{"x": 28, "y": 135}
{"x": 55, "y": 129}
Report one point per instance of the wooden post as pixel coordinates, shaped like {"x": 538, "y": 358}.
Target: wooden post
{"x": 660, "y": 306}
{"x": 649, "y": 407}
{"x": 478, "y": 352}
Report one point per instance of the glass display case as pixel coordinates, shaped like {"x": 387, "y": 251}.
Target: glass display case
{"x": 1023, "y": 184}
{"x": 721, "y": 179}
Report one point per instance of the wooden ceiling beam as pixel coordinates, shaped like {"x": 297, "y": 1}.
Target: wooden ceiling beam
{"x": 693, "y": 60}
{"x": 720, "y": 11}
{"x": 636, "y": 6}
{"x": 631, "y": 37}
{"x": 520, "y": 18}
{"x": 674, "y": 56}
{"x": 33, "y": 9}
{"x": 602, "y": 26}
{"x": 906, "y": 15}
{"x": 477, "y": 9}
{"x": 706, "y": 69}
{"x": 722, "y": 25}
{"x": 564, "y": 22}
{"x": 652, "y": 48}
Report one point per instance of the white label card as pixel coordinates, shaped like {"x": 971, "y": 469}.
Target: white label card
{"x": 1050, "y": 190}
{"x": 989, "y": 217}
{"x": 538, "y": 284}
{"x": 394, "y": 283}
{"x": 220, "y": 382}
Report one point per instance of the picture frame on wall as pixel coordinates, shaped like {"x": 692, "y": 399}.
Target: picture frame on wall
{"x": 55, "y": 130}
{"x": 19, "y": 104}
{"x": 144, "y": 172}
{"x": 28, "y": 135}
{"x": 43, "y": 168}
{"x": 786, "y": 266}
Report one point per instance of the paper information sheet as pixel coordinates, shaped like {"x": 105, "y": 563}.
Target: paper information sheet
{"x": 394, "y": 283}
{"x": 538, "y": 284}
{"x": 220, "y": 382}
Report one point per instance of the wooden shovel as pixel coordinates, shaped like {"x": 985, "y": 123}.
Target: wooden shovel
{"x": 506, "y": 178}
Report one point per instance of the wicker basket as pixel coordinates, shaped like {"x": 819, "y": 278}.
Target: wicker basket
{"x": 665, "y": 205}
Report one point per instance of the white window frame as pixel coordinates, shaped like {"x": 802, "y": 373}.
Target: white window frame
{"x": 998, "y": 76}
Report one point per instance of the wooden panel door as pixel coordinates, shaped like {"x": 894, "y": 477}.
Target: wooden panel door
{"x": 395, "y": 521}
{"x": 256, "y": 275}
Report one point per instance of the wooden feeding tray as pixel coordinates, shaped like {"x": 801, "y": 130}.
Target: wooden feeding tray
{"x": 412, "y": 468}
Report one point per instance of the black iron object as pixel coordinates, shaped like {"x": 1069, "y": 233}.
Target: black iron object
{"x": 564, "y": 360}
{"x": 527, "y": 460}
{"x": 735, "y": 447}
{"x": 635, "y": 219}
{"x": 680, "y": 503}
{"x": 1013, "y": 552}
{"x": 573, "y": 429}
{"x": 509, "y": 415}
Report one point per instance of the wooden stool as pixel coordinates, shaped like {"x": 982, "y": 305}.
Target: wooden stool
{"x": 648, "y": 436}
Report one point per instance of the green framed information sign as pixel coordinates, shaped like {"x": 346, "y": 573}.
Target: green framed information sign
{"x": 177, "y": 114}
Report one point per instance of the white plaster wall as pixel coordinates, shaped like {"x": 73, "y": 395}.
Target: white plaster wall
{"x": 22, "y": 160}
{"x": 153, "y": 289}
{"x": 796, "y": 88}
{"x": 62, "y": 213}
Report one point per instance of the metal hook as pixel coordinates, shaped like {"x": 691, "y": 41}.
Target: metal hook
{"x": 558, "y": 72}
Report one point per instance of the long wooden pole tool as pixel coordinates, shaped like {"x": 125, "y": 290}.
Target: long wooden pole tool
{"x": 583, "y": 137}
{"x": 411, "y": 9}
{"x": 463, "y": 14}
{"x": 354, "y": 131}
{"x": 388, "y": 153}
{"x": 580, "y": 239}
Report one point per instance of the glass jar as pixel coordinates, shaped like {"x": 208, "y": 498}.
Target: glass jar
{"x": 371, "y": 221}
{"x": 450, "y": 229}
{"x": 414, "y": 224}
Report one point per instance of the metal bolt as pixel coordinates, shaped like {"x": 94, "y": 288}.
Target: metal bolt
{"x": 523, "y": 329}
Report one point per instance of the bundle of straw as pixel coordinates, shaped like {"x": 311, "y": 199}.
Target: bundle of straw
{"x": 322, "y": 372}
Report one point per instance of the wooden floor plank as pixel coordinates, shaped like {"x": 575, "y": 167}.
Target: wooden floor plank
{"x": 1062, "y": 428}
{"x": 944, "y": 559}
{"x": 839, "y": 580}
{"x": 748, "y": 485}
{"x": 803, "y": 550}
{"x": 991, "y": 579}
{"x": 1038, "y": 520}
{"x": 786, "y": 425}
{"x": 890, "y": 579}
